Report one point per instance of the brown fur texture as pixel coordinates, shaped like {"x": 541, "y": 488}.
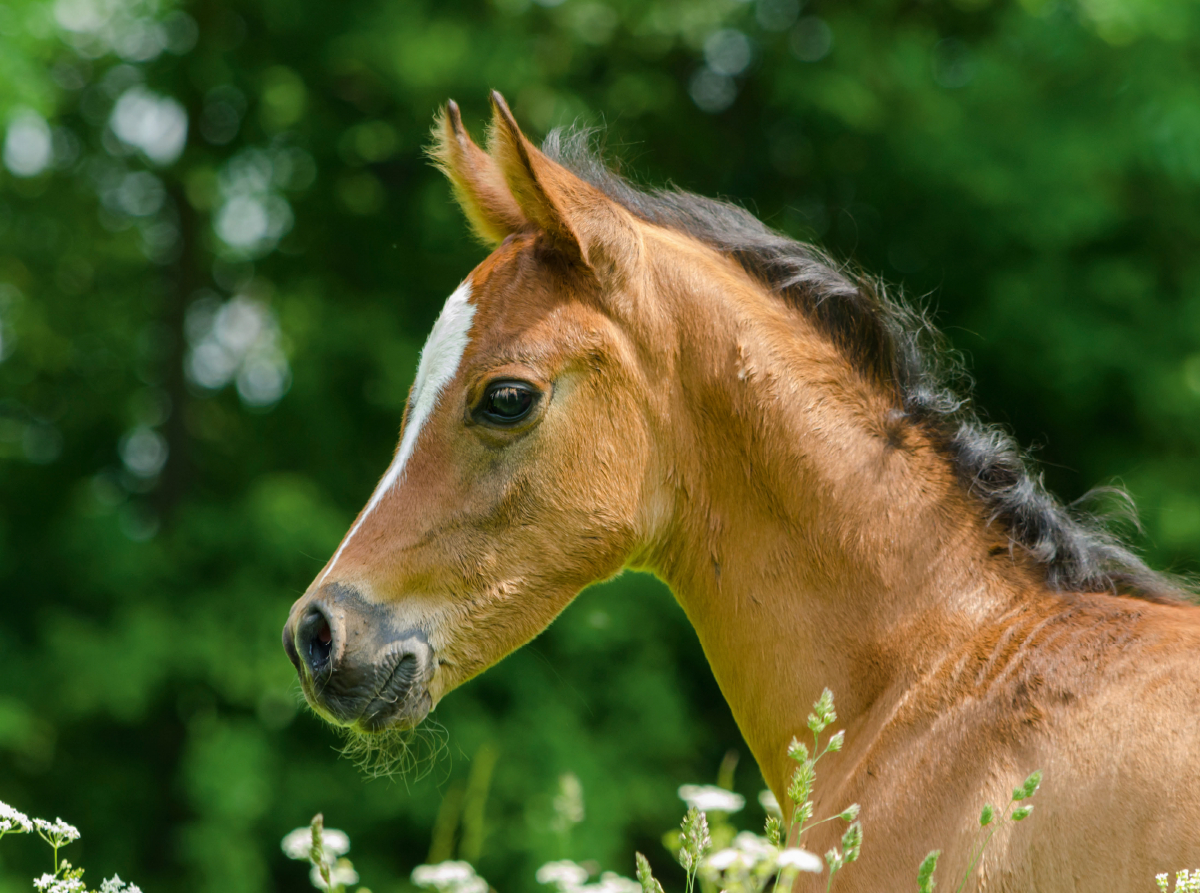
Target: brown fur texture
{"x": 816, "y": 534}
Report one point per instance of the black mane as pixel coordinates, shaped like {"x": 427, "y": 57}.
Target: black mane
{"x": 900, "y": 347}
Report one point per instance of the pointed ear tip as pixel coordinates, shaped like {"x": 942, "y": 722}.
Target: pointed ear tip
{"x": 502, "y": 115}
{"x": 453, "y": 119}
{"x": 500, "y": 107}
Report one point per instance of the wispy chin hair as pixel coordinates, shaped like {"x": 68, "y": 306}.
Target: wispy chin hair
{"x": 406, "y": 755}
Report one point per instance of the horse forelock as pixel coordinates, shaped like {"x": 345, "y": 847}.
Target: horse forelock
{"x": 896, "y": 344}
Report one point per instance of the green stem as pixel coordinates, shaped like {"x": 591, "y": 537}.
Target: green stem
{"x": 823, "y": 821}
{"x": 976, "y": 856}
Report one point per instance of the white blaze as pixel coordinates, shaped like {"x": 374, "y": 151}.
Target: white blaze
{"x": 439, "y": 364}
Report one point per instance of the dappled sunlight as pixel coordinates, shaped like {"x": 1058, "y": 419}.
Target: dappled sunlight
{"x": 237, "y": 341}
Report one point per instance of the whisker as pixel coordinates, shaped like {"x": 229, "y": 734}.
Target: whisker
{"x": 405, "y": 754}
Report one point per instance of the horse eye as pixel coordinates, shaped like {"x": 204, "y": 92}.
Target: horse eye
{"x": 506, "y": 402}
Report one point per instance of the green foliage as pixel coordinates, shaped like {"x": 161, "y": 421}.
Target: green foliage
{"x": 987, "y": 818}
{"x": 925, "y": 881}
{"x": 804, "y": 776}
{"x": 695, "y": 843}
{"x": 166, "y": 494}
{"x": 645, "y": 877}
{"x": 743, "y": 862}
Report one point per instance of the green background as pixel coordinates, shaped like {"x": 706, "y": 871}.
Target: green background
{"x": 1030, "y": 169}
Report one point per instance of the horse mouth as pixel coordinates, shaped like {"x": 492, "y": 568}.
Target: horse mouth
{"x": 401, "y": 701}
{"x": 358, "y": 668}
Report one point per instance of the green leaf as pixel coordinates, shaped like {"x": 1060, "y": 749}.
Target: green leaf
{"x": 925, "y": 881}
{"x": 985, "y": 817}
{"x": 798, "y": 751}
{"x": 773, "y": 830}
{"x": 645, "y": 876}
{"x": 1031, "y": 784}
{"x": 852, "y": 841}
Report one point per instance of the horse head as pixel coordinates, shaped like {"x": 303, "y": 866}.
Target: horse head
{"x": 525, "y": 468}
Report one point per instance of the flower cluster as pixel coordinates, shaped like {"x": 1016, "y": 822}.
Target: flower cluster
{"x": 449, "y": 877}
{"x": 751, "y": 862}
{"x": 570, "y": 877}
{"x": 710, "y": 798}
{"x": 64, "y": 878}
{"x": 49, "y": 883}
{"x": 13, "y": 821}
{"x": 57, "y": 833}
{"x": 1185, "y": 881}
{"x": 323, "y": 847}
{"x": 115, "y": 885}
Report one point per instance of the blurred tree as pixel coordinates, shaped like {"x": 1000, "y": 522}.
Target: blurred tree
{"x": 221, "y": 248}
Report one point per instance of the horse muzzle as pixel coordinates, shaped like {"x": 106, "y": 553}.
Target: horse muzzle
{"x": 356, "y": 666}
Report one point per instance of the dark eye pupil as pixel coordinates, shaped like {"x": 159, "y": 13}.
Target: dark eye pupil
{"x": 509, "y": 402}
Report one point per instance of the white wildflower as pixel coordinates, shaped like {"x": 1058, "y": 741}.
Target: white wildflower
{"x": 115, "y": 885}
{"x": 769, "y": 803}
{"x": 753, "y": 846}
{"x": 564, "y": 874}
{"x": 723, "y": 860}
{"x": 49, "y": 883}
{"x": 710, "y": 798}
{"x": 443, "y": 874}
{"x": 14, "y": 819}
{"x": 800, "y": 860}
{"x": 297, "y": 844}
{"x": 57, "y": 833}
{"x": 751, "y": 856}
{"x": 335, "y": 842}
{"x": 449, "y": 877}
{"x": 611, "y": 882}
{"x": 341, "y": 874}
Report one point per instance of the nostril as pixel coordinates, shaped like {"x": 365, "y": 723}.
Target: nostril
{"x": 315, "y": 641}
{"x": 322, "y": 644}
{"x": 289, "y": 645}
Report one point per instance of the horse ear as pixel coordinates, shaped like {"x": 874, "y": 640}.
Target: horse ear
{"x": 579, "y": 218}
{"x": 478, "y": 183}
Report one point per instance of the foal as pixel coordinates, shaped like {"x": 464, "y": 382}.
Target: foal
{"x": 657, "y": 381}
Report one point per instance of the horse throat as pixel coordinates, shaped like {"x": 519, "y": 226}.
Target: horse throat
{"x": 818, "y": 539}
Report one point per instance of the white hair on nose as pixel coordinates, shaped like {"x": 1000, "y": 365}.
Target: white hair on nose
{"x": 439, "y": 364}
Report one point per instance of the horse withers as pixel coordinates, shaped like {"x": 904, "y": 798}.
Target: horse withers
{"x": 655, "y": 380}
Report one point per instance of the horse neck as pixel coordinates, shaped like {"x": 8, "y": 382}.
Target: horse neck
{"x": 817, "y": 539}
